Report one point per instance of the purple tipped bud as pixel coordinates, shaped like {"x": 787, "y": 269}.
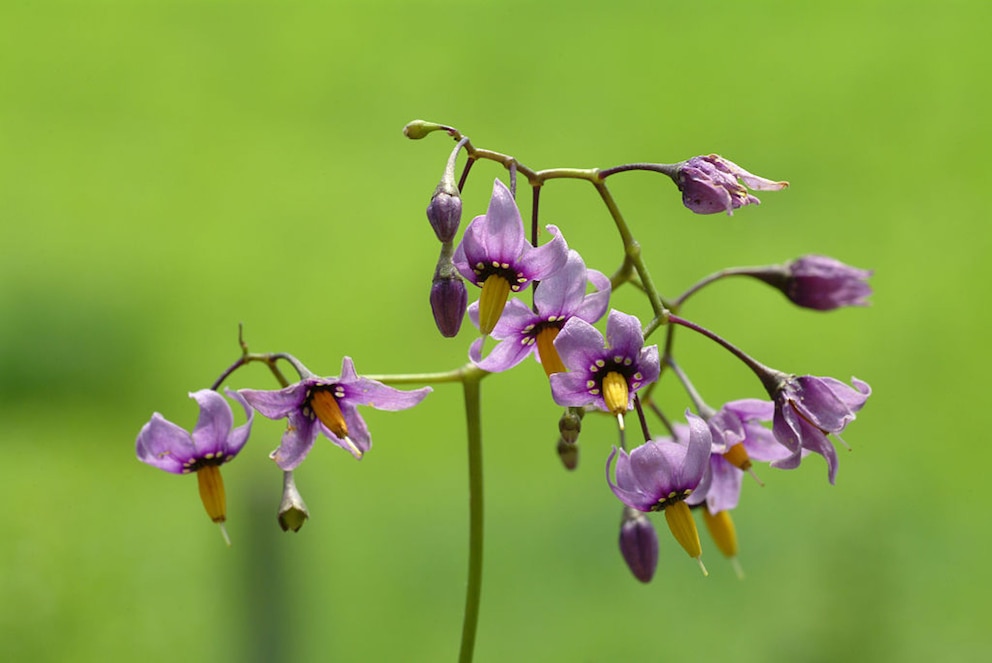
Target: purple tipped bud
{"x": 568, "y": 452}
{"x": 817, "y": 282}
{"x": 445, "y": 213}
{"x": 639, "y": 544}
{"x": 449, "y": 300}
{"x": 292, "y": 510}
{"x": 570, "y": 424}
{"x": 710, "y": 184}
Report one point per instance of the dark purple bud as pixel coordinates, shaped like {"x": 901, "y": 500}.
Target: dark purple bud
{"x": 711, "y": 184}
{"x": 445, "y": 213}
{"x": 449, "y": 300}
{"x": 639, "y": 544}
{"x": 570, "y": 424}
{"x": 568, "y": 452}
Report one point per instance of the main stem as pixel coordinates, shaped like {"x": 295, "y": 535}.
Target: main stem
{"x": 473, "y": 592}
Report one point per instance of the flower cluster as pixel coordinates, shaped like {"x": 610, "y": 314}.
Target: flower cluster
{"x": 539, "y": 298}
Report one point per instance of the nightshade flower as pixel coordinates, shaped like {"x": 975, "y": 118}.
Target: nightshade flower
{"x": 605, "y": 377}
{"x": 816, "y": 282}
{"x": 558, "y": 298}
{"x": 709, "y": 184}
{"x": 495, "y": 255}
{"x": 659, "y": 475}
{"x": 327, "y": 406}
{"x": 213, "y": 442}
{"x": 807, "y": 409}
{"x": 638, "y": 544}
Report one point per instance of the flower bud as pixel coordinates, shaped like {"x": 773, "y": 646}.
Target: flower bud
{"x": 570, "y": 424}
{"x": 816, "y": 282}
{"x": 639, "y": 544}
{"x": 445, "y": 212}
{"x": 568, "y": 452}
{"x": 419, "y": 128}
{"x": 292, "y": 510}
{"x": 709, "y": 184}
{"x": 449, "y": 300}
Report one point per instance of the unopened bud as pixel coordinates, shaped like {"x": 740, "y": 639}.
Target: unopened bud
{"x": 419, "y": 128}
{"x": 292, "y": 510}
{"x": 445, "y": 212}
{"x": 568, "y": 452}
{"x": 570, "y": 424}
{"x": 639, "y": 544}
{"x": 449, "y": 300}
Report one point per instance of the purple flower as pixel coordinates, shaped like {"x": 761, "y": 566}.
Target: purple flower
{"x": 605, "y": 377}
{"x": 638, "y": 544}
{"x": 213, "y": 442}
{"x": 807, "y": 409}
{"x": 660, "y": 473}
{"x": 558, "y": 298}
{"x": 495, "y": 255}
{"x": 327, "y": 406}
{"x": 449, "y": 298}
{"x": 709, "y": 184}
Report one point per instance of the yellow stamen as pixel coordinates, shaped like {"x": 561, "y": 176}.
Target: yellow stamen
{"x": 212, "y": 492}
{"x": 615, "y": 393}
{"x": 737, "y": 456}
{"x": 495, "y": 292}
{"x": 683, "y": 528}
{"x": 326, "y": 407}
{"x": 721, "y": 528}
{"x": 547, "y": 352}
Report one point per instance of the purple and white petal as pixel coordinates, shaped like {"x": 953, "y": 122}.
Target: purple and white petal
{"x": 541, "y": 262}
{"x": 214, "y": 423}
{"x": 279, "y": 403}
{"x": 624, "y": 334}
{"x": 296, "y": 441}
{"x": 236, "y": 440}
{"x": 594, "y": 305}
{"x": 164, "y": 445}
{"x": 579, "y": 345}
{"x": 572, "y": 390}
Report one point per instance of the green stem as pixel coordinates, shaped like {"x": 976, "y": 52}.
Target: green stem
{"x": 473, "y": 592}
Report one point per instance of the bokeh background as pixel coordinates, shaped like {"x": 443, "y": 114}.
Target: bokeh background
{"x": 170, "y": 169}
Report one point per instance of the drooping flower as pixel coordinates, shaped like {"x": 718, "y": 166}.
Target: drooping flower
{"x": 213, "y": 442}
{"x": 328, "y": 406}
{"x": 495, "y": 255}
{"x": 709, "y": 184}
{"x": 738, "y": 438}
{"x": 809, "y": 408}
{"x": 659, "y": 475}
{"x": 605, "y": 375}
{"x": 816, "y": 282}
{"x": 558, "y": 298}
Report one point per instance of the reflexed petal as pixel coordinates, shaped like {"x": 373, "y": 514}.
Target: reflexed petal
{"x": 542, "y": 262}
{"x": 827, "y": 402}
{"x": 364, "y": 391}
{"x": 654, "y": 467}
{"x": 697, "y": 452}
{"x": 280, "y": 403}
{"x": 761, "y": 444}
{"x": 348, "y": 373}
{"x": 594, "y": 304}
{"x": 236, "y": 440}
{"x": 164, "y": 445}
{"x": 470, "y": 250}
{"x": 579, "y": 345}
{"x": 631, "y": 498}
{"x": 624, "y": 334}
{"x": 562, "y": 292}
{"x": 516, "y": 317}
{"x": 751, "y": 409}
{"x": 649, "y": 364}
{"x": 214, "y": 423}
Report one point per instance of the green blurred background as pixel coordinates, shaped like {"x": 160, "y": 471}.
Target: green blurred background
{"x": 170, "y": 169}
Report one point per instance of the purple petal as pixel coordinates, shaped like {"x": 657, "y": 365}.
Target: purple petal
{"x": 470, "y": 250}
{"x": 570, "y": 390}
{"x": 348, "y": 373}
{"x": 594, "y": 304}
{"x": 751, "y": 409}
{"x": 826, "y": 402}
{"x": 214, "y": 423}
{"x": 624, "y": 335}
{"x": 697, "y": 452}
{"x": 503, "y": 240}
{"x": 516, "y": 317}
{"x": 542, "y": 262}
{"x": 562, "y": 292}
{"x": 649, "y": 364}
{"x": 358, "y": 432}
{"x": 631, "y": 498}
{"x": 654, "y": 467}
{"x": 296, "y": 441}
{"x": 164, "y": 445}
{"x": 236, "y": 440}
{"x": 507, "y": 354}
{"x": 725, "y": 488}
{"x": 364, "y": 391}
{"x": 579, "y": 345}
{"x": 280, "y": 403}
